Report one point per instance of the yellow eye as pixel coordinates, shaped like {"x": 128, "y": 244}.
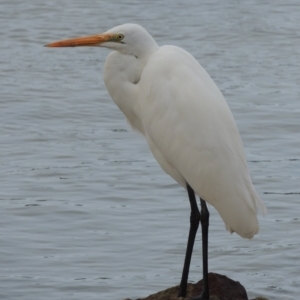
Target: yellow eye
{"x": 120, "y": 37}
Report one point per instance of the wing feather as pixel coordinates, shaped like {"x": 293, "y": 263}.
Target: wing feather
{"x": 192, "y": 134}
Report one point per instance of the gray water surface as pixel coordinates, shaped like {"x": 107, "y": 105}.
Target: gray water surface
{"x": 86, "y": 212}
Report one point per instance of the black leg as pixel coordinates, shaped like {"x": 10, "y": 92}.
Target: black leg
{"x": 204, "y": 219}
{"x": 194, "y": 221}
{"x": 204, "y": 225}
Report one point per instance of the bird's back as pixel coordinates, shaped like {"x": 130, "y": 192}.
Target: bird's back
{"x": 193, "y": 136}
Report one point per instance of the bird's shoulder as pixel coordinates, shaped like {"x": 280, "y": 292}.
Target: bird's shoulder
{"x": 172, "y": 52}
{"x": 175, "y": 66}
{"x": 170, "y": 58}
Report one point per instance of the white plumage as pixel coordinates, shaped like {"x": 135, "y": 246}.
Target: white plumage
{"x": 170, "y": 99}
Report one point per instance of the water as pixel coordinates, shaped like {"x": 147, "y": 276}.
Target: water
{"x": 86, "y": 212}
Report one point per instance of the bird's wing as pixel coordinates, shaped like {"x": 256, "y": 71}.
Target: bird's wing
{"x": 192, "y": 134}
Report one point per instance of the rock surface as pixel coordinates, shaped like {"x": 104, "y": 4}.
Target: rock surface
{"x": 220, "y": 287}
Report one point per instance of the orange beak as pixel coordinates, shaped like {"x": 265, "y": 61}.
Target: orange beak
{"x": 91, "y": 40}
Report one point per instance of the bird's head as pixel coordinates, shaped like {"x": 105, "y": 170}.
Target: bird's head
{"x": 131, "y": 39}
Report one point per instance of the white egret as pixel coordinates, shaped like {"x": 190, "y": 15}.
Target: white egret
{"x": 167, "y": 96}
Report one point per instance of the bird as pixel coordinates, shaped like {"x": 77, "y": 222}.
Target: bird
{"x": 168, "y": 97}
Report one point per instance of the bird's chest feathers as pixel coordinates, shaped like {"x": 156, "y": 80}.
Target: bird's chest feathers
{"x": 121, "y": 76}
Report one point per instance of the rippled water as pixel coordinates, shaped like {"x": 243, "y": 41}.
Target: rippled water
{"x": 86, "y": 212}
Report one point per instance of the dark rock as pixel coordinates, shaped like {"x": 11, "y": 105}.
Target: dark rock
{"x": 220, "y": 287}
